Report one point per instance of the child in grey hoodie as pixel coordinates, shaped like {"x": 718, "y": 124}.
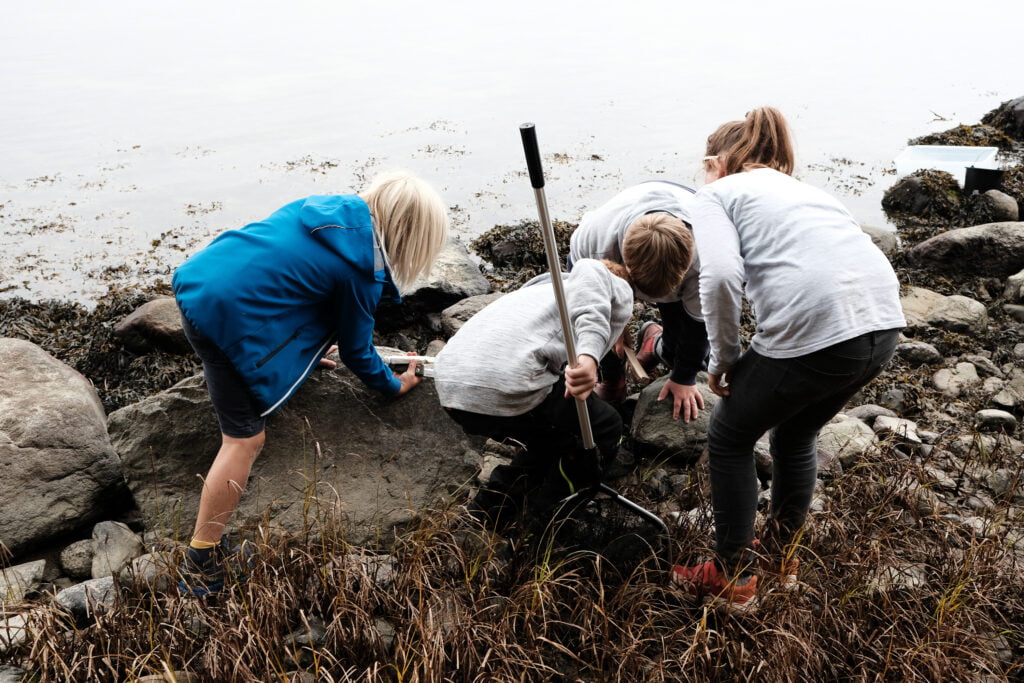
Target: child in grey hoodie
{"x": 504, "y": 375}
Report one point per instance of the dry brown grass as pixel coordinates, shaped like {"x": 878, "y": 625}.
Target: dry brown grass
{"x": 459, "y": 604}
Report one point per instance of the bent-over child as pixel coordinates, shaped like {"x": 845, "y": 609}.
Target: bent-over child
{"x": 263, "y": 304}
{"x": 504, "y": 375}
{"x": 646, "y": 228}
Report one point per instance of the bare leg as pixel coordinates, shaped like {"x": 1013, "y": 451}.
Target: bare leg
{"x": 224, "y": 485}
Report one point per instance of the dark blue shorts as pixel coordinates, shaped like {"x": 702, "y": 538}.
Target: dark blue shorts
{"x": 237, "y": 411}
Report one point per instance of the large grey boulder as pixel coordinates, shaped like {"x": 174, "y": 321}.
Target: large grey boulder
{"x": 336, "y": 449}
{"x": 456, "y": 315}
{"x": 154, "y": 325}
{"x": 453, "y": 277}
{"x": 925, "y": 308}
{"x": 992, "y": 250}
{"x": 58, "y": 470}
{"x": 657, "y": 435}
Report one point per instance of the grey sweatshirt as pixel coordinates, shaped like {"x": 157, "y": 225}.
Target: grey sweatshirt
{"x": 813, "y": 277}
{"x": 506, "y": 358}
{"x": 601, "y": 232}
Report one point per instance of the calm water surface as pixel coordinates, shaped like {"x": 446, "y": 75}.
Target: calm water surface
{"x": 134, "y": 132}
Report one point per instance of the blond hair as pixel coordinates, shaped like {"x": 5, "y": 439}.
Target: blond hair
{"x": 657, "y": 251}
{"x": 411, "y": 221}
{"x": 761, "y": 140}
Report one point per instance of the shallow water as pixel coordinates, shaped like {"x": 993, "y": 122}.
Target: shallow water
{"x": 132, "y": 133}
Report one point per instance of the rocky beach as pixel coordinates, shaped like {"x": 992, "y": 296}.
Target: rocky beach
{"x": 369, "y": 569}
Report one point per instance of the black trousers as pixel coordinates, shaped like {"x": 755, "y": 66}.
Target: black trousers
{"x": 551, "y": 434}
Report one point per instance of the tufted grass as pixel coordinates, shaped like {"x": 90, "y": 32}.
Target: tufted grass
{"x": 456, "y": 603}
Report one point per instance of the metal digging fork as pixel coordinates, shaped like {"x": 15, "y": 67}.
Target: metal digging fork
{"x": 529, "y": 135}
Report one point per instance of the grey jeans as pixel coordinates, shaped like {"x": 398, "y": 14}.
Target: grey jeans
{"x": 794, "y": 398}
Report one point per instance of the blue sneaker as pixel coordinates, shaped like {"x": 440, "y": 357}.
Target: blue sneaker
{"x": 204, "y": 572}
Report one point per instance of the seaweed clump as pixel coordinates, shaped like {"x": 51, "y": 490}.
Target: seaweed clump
{"x": 923, "y": 204}
{"x": 968, "y": 136}
{"x": 516, "y": 252}
{"x": 84, "y": 340}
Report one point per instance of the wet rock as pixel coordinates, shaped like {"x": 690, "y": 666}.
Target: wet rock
{"x": 983, "y": 446}
{"x": 301, "y": 644}
{"x": 933, "y": 196}
{"x": 656, "y": 434}
{"x": 153, "y": 570}
{"x": 996, "y": 420}
{"x": 983, "y": 364}
{"x": 456, "y": 315}
{"x": 14, "y": 633}
{"x": 1015, "y": 311}
{"x": 1014, "y": 291}
{"x": 1008, "y": 117}
{"x": 154, "y": 325}
{"x": 898, "y": 430}
{"x": 938, "y": 478}
{"x": 885, "y": 240}
{"x": 85, "y": 599}
{"x": 374, "y": 460}
{"x": 434, "y": 347}
{"x": 919, "y": 353}
{"x": 115, "y": 545}
{"x": 76, "y": 559}
{"x": 894, "y": 399}
{"x": 954, "y": 382}
{"x": 59, "y": 468}
{"x": 868, "y": 412}
{"x": 19, "y": 580}
{"x": 845, "y": 439}
{"x": 453, "y": 277}
{"x": 991, "y": 206}
{"x": 993, "y": 250}
{"x": 956, "y": 313}
{"x": 907, "y": 577}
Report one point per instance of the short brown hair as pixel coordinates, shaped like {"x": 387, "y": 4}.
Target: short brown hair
{"x": 657, "y": 250}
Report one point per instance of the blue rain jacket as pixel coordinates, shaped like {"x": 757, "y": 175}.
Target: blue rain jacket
{"x": 274, "y": 295}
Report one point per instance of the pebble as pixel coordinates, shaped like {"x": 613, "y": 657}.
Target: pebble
{"x": 992, "y": 419}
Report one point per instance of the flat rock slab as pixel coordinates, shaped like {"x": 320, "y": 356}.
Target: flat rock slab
{"x": 337, "y": 450}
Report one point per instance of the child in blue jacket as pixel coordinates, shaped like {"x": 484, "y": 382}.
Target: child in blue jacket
{"x": 262, "y": 305}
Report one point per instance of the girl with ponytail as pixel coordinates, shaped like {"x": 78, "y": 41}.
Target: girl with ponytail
{"x": 827, "y": 311}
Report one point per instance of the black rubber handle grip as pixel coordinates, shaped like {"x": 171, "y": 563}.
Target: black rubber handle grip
{"x": 529, "y": 133}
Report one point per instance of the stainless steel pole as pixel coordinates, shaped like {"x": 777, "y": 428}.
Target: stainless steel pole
{"x": 529, "y": 135}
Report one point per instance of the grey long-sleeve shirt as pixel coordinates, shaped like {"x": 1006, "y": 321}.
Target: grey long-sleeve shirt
{"x": 601, "y": 232}
{"x": 813, "y": 277}
{"x": 506, "y": 358}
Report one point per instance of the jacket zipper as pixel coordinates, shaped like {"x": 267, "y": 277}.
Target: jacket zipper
{"x": 266, "y": 359}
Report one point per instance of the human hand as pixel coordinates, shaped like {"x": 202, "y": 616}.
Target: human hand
{"x": 409, "y": 378}
{"x": 720, "y": 383}
{"x": 685, "y": 398}
{"x": 581, "y": 379}
{"x": 327, "y": 363}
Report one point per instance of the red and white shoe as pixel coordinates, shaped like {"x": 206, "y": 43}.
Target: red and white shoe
{"x": 647, "y": 355}
{"x": 708, "y": 583}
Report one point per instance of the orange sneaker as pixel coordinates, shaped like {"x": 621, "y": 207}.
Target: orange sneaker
{"x": 647, "y": 355}
{"x": 708, "y": 582}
